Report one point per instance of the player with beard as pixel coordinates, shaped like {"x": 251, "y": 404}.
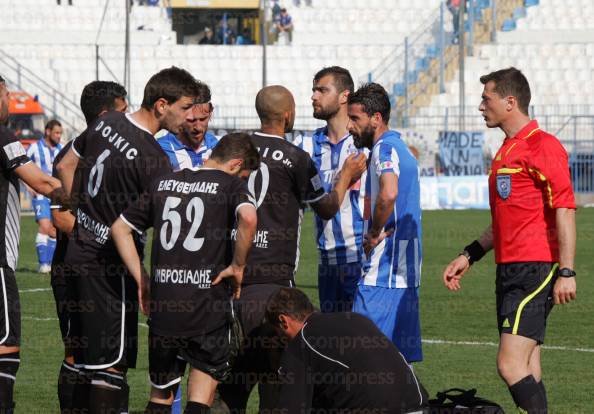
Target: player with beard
{"x": 115, "y": 161}
{"x": 194, "y": 144}
{"x": 286, "y": 180}
{"x": 14, "y": 165}
{"x": 340, "y": 238}
{"x": 388, "y": 292}
{"x": 43, "y": 153}
{"x": 97, "y": 98}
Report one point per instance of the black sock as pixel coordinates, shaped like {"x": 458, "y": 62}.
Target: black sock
{"x": 124, "y": 398}
{"x": 196, "y": 408}
{"x": 527, "y": 396}
{"x": 543, "y": 391}
{"x": 67, "y": 379}
{"x": 80, "y": 397}
{"x": 156, "y": 408}
{"x": 6, "y": 391}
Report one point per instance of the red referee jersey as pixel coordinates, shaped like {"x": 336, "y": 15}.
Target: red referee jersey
{"x": 528, "y": 180}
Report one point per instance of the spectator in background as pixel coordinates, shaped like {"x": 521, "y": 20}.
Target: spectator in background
{"x": 454, "y": 8}
{"x": 209, "y": 37}
{"x": 244, "y": 38}
{"x": 285, "y": 25}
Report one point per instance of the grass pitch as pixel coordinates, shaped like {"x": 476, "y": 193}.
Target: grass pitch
{"x": 459, "y": 329}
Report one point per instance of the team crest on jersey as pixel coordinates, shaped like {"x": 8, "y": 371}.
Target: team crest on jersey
{"x": 504, "y": 186}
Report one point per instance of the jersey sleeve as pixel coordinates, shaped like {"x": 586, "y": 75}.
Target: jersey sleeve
{"x": 297, "y": 389}
{"x": 550, "y": 166}
{"x": 387, "y": 160}
{"x": 240, "y": 195}
{"x": 139, "y": 214}
{"x": 13, "y": 153}
{"x": 79, "y": 144}
{"x": 309, "y": 184}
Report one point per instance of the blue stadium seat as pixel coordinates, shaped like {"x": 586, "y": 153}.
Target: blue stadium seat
{"x": 508, "y": 25}
{"x": 399, "y": 89}
{"x": 530, "y": 3}
{"x": 432, "y": 51}
{"x": 519, "y": 13}
{"x": 483, "y": 4}
{"x": 422, "y": 64}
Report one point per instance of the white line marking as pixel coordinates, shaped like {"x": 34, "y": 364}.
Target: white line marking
{"x": 496, "y": 345}
{"x": 34, "y": 290}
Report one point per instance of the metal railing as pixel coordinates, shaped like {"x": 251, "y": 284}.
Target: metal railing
{"x": 55, "y": 102}
{"x": 577, "y": 135}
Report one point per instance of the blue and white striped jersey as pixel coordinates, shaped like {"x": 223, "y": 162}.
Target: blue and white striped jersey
{"x": 396, "y": 261}
{"x": 339, "y": 239}
{"x": 43, "y": 155}
{"x": 182, "y": 156}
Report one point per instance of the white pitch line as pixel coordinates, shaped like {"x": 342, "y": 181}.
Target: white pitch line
{"x": 34, "y": 290}
{"x": 496, "y": 345}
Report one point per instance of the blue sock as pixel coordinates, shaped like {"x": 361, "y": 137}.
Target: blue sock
{"x": 176, "y": 408}
{"x": 51, "y": 246}
{"x": 41, "y": 246}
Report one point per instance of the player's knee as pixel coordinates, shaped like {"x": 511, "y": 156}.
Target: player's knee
{"x": 108, "y": 379}
{"x": 509, "y": 369}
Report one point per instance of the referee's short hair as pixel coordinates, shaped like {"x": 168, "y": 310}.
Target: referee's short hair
{"x": 511, "y": 82}
{"x": 237, "y": 145}
{"x": 342, "y": 78}
{"x": 170, "y": 84}
{"x": 373, "y": 98}
{"x": 288, "y": 301}
{"x": 99, "y": 96}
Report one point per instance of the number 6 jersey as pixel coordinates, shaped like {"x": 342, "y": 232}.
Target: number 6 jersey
{"x": 118, "y": 161}
{"x": 193, "y": 214}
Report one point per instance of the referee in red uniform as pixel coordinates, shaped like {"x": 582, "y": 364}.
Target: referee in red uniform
{"x": 532, "y": 232}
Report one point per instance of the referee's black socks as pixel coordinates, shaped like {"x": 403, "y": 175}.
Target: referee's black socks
{"x": 529, "y": 396}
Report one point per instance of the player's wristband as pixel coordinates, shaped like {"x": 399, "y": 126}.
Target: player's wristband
{"x": 473, "y": 252}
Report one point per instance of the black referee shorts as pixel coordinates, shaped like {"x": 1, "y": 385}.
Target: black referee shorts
{"x": 208, "y": 353}
{"x": 10, "y": 309}
{"x": 525, "y": 298}
{"x": 104, "y": 322}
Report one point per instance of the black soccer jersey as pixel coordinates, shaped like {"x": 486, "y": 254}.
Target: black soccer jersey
{"x": 286, "y": 180}
{"x": 119, "y": 159}
{"x": 192, "y": 213}
{"x": 12, "y": 155}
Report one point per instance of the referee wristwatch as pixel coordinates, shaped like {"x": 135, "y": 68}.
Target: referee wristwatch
{"x": 566, "y": 272}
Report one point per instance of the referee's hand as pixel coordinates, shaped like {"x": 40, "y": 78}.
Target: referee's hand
{"x": 564, "y": 290}
{"x": 234, "y": 272}
{"x": 454, "y": 272}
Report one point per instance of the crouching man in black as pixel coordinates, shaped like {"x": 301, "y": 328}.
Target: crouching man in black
{"x": 339, "y": 362}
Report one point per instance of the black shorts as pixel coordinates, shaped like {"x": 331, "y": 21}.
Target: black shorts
{"x": 63, "y": 307}
{"x": 10, "y": 309}
{"x": 525, "y": 298}
{"x": 208, "y": 353}
{"x": 104, "y": 320}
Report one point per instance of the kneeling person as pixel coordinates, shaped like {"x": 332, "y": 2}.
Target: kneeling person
{"x": 339, "y": 362}
{"x": 193, "y": 212}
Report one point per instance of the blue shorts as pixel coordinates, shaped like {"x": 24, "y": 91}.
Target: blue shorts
{"x": 337, "y": 285}
{"x": 41, "y": 208}
{"x": 396, "y": 313}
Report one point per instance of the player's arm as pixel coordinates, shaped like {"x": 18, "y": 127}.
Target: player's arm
{"x": 121, "y": 233}
{"x": 471, "y": 253}
{"x": 63, "y": 220}
{"x": 41, "y": 183}
{"x": 384, "y": 207}
{"x": 327, "y": 206}
{"x": 66, "y": 169}
{"x": 564, "y": 290}
{"x": 247, "y": 221}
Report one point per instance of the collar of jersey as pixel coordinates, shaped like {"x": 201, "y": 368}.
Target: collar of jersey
{"x": 136, "y": 124}
{"x": 529, "y": 130}
{"x": 321, "y": 136}
{"x": 389, "y": 133}
{"x": 203, "y": 146}
{"x": 262, "y": 134}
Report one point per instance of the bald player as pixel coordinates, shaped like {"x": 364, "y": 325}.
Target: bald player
{"x": 286, "y": 181}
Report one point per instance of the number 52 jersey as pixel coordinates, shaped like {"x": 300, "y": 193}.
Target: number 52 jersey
{"x": 118, "y": 161}
{"x": 193, "y": 214}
